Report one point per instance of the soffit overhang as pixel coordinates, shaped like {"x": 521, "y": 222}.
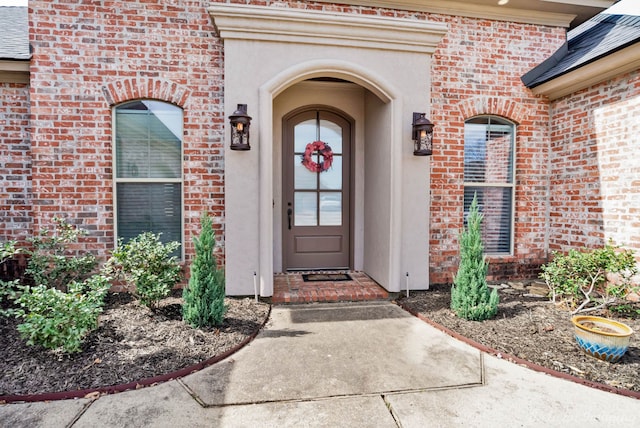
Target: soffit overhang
{"x": 481, "y": 10}
{"x": 13, "y": 71}
{"x": 616, "y": 64}
{"x": 325, "y": 28}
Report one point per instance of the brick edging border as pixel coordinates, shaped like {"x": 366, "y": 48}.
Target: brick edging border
{"x": 520, "y": 361}
{"x": 151, "y": 381}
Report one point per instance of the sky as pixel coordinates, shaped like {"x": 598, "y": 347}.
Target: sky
{"x": 625, "y": 7}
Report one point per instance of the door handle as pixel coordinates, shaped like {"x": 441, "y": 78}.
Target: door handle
{"x": 289, "y": 212}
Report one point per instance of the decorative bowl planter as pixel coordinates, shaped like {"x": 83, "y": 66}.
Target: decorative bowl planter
{"x": 602, "y": 338}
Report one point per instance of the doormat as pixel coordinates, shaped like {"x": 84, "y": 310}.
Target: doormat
{"x": 314, "y": 277}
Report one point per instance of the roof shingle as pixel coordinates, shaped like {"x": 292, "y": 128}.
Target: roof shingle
{"x": 596, "y": 38}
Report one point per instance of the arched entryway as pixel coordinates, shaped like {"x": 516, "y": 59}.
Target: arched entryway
{"x": 314, "y": 105}
{"x": 279, "y": 60}
{"x": 371, "y": 179}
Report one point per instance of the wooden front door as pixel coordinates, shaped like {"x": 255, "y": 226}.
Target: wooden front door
{"x": 316, "y": 205}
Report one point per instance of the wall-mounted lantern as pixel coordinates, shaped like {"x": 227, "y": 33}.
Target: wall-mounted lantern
{"x": 422, "y": 135}
{"x": 240, "y": 123}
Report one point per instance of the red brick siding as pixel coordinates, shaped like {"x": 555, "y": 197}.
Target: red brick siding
{"x": 91, "y": 55}
{"x": 15, "y": 162}
{"x": 595, "y": 166}
{"x": 476, "y": 70}
{"x": 87, "y": 57}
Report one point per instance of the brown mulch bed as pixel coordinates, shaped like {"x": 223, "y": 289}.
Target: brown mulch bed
{"x": 532, "y": 328}
{"x": 132, "y": 343}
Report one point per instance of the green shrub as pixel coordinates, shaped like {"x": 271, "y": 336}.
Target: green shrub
{"x": 8, "y": 292}
{"x": 204, "y": 296}
{"x": 579, "y": 278}
{"x": 147, "y": 266}
{"x": 7, "y": 251}
{"x": 7, "y": 288}
{"x": 626, "y": 310}
{"x": 56, "y": 319}
{"x": 470, "y": 295}
{"x": 53, "y": 263}
{"x": 63, "y": 306}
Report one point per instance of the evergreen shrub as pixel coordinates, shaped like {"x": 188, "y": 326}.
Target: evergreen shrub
{"x": 470, "y": 295}
{"x": 204, "y": 296}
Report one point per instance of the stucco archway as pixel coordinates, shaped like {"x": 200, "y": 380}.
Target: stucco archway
{"x": 270, "y": 50}
{"x": 383, "y": 101}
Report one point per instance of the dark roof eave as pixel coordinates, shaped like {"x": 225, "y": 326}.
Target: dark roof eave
{"x": 529, "y": 78}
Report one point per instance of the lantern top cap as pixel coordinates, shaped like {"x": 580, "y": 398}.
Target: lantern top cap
{"x": 419, "y": 119}
{"x": 240, "y": 113}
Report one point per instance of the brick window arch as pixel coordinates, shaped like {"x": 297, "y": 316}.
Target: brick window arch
{"x": 148, "y": 137}
{"x": 489, "y": 173}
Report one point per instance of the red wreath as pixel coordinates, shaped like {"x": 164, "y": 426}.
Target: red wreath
{"x": 327, "y": 156}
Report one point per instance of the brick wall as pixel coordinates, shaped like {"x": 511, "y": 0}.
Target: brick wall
{"x": 595, "y": 166}
{"x": 89, "y": 56}
{"x": 476, "y": 70}
{"x": 15, "y": 164}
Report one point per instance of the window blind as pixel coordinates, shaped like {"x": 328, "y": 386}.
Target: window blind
{"x": 148, "y": 166}
{"x": 489, "y": 174}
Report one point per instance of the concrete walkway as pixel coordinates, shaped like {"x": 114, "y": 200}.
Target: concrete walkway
{"x": 345, "y": 365}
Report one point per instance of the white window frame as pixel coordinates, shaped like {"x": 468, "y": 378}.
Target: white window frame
{"x": 511, "y": 185}
{"x": 117, "y": 180}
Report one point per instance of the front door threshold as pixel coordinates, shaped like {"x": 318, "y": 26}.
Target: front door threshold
{"x": 290, "y": 288}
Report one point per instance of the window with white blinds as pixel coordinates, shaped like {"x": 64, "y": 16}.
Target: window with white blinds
{"x": 148, "y": 170}
{"x": 489, "y": 174}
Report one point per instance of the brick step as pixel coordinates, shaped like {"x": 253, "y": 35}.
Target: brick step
{"x": 290, "y": 288}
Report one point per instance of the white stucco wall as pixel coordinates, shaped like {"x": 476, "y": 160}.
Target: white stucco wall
{"x": 378, "y": 192}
